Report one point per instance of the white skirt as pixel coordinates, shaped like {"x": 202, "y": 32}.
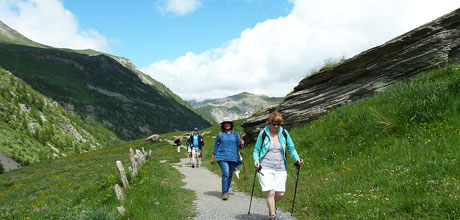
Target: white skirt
{"x": 272, "y": 179}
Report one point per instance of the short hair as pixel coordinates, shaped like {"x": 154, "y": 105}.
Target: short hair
{"x": 275, "y": 118}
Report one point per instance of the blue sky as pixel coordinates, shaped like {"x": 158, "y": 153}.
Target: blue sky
{"x": 144, "y": 34}
{"x": 216, "y": 48}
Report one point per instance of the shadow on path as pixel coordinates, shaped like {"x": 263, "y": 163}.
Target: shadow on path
{"x": 217, "y": 194}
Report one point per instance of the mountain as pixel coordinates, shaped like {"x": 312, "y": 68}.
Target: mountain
{"x": 370, "y": 72}
{"x": 9, "y": 35}
{"x": 236, "y": 107}
{"x": 35, "y": 128}
{"x": 98, "y": 86}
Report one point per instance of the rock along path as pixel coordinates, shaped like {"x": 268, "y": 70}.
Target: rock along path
{"x": 209, "y": 203}
{"x": 8, "y": 163}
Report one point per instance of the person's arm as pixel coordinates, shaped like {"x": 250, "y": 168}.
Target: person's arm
{"x": 291, "y": 148}
{"x": 214, "y": 151}
{"x": 241, "y": 142}
{"x": 257, "y": 148}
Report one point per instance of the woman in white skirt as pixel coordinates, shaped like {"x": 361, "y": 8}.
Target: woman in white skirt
{"x": 269, "y": 154}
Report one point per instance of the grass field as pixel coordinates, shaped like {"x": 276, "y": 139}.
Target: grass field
{"x": 81, "y": 187}
{"x": 395, "y": 156}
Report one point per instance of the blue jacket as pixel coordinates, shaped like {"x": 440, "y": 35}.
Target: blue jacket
{"x": 227, "y": 150}
{"x": 260, "y": 149}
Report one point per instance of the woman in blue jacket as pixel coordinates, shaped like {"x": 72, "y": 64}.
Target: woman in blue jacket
{"x": 226, "y": 153}
{"x": 269, "y": 154}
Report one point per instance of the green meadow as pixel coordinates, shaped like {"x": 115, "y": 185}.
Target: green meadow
{"x": 81, "y": 187}
{"x": 393, "y": 156}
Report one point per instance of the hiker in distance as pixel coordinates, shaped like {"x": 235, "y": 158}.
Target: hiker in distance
{"x": 177, "y": 142}
{"x": 270, "y": 155}
{"x": 196, "y": 142}
{"x": 226, "y": 153}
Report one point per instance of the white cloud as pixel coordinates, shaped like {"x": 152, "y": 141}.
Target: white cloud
{"x": 177, "y": 7}
{"x": 272, "y": 57}
{"x": 48, "y": 22}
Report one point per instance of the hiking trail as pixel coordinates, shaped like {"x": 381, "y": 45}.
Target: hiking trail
{"x": 209, "y": 203}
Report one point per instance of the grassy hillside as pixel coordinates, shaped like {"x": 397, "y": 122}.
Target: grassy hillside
{"x": 10, "y": 36}
{"x": 81, "y": 187}
{"x": 35, "y": 128}
{"x": 100, "y": 87}
{"x": 395, "y": 156}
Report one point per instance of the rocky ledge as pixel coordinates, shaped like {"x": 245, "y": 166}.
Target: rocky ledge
{"x": 369, "y": 72}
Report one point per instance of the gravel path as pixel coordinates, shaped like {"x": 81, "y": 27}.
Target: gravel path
{"x": 209, "y": 204}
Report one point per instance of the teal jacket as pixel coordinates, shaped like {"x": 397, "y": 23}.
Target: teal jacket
{"x": 260, "y": 149}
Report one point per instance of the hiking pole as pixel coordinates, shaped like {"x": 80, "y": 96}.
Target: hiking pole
{"x": 297, "y": 165}
{"x": 253, "y": 184}
{"x": 244, "y": 168}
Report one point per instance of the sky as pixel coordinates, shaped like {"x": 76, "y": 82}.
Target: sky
{"x": 204, "y": 49}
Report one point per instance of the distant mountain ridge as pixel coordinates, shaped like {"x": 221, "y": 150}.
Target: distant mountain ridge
{"x": 236, "y": 107}
{"x": 9, "y": 35}
{"x": 95, "y": 85}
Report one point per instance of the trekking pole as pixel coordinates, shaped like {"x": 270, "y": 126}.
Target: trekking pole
{"x": 297, "y": 165}
{"x": 253, "y": 184}
{"x": 244, "y": 168}
{"x": 189, "y": 154}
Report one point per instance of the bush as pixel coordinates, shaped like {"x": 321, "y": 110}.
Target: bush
{"x": 100, "y": 214}
{"x": 2, "y": 169}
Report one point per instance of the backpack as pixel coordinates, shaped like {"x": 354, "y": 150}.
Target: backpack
{"x": 219, "y": 137}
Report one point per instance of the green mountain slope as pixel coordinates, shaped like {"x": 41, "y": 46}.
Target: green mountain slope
{"x": 102, "y": 86}
{"x": 35, "y": 128}
{"x": 394, "y": 156}
{"x": 8, "y": 35}
{"x": 236, "y": 107}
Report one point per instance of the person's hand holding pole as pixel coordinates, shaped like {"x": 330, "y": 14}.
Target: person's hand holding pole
{"x": 256, "y": 166}
{"x": 299, "y": 162}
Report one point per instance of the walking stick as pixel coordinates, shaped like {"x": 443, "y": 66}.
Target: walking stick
{"x": 253, "y": 184}
{"x": 297, "y": 181}
{"x": 244, "y": 168}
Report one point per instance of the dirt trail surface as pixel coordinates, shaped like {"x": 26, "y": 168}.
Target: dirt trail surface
{"x": 8, "y": 163}
{"x": 209, "y": 203}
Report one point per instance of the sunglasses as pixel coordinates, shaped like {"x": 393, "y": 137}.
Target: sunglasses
{"x": 275, "y": 124}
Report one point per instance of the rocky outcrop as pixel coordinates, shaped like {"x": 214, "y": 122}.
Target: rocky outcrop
{"x": 369, "y": 72}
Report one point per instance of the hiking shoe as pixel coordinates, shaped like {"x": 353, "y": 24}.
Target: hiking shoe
{"x": 225, "y": 196}
{"x": 237, "y": 172}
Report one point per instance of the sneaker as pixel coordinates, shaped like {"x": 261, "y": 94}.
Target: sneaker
{"x": 193, "y": 166}
{"x": 237, "y": 172}
{"x": 197, "y": 165}
{"x": 272, "y": 217}
{"x": 225, "y": 196}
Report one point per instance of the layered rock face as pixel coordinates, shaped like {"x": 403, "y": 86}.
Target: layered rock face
{"x": 369, "y": 72}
